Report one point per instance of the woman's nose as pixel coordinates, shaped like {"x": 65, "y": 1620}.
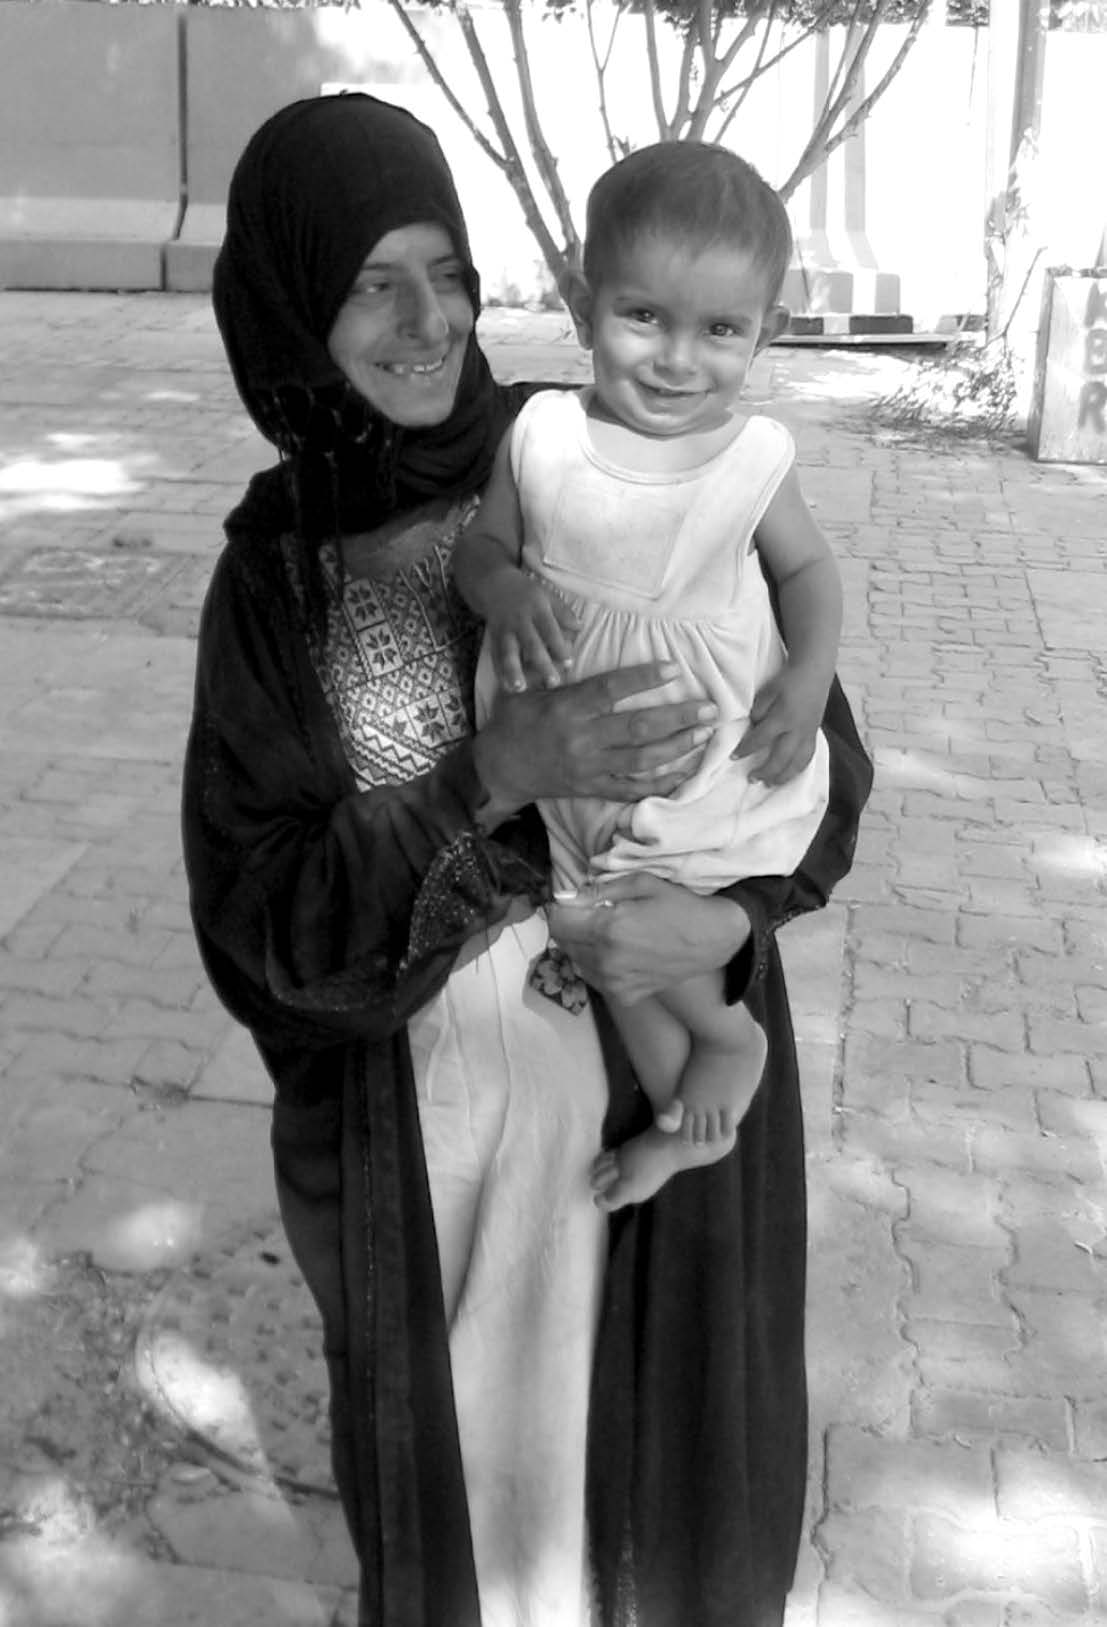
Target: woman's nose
{"x": 422, "y": 315}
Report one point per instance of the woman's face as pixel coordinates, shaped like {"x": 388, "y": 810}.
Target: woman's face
{"x": 400, "y": 337}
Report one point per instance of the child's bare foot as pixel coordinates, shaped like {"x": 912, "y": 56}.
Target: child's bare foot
{"x": 633, "y": 1172}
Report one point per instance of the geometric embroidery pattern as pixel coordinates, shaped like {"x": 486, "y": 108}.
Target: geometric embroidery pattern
{"x": 401, "y": 653}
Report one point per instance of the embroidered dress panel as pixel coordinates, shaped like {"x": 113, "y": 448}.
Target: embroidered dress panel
{"x": 404, "y": 636}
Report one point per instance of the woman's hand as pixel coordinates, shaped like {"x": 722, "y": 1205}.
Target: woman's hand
{"x": 638, "y": 935}
{"x": 582, "y": 740}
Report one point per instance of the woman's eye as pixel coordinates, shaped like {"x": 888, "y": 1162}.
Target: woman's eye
{"x": 449, "y": 277}
{"x": 370, "y": 287}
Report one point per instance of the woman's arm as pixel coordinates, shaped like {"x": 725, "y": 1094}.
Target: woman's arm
{"x": 771, "y": 901}
{"x": 302, "y": 887}
{"x": 658, "y": 933}
{"x": 304, "y": 890}
{"x": 645, "y": 934}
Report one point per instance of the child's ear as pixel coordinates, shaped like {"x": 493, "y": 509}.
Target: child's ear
{"x": 574, "y": 290}
{"x": 775, "y": 321}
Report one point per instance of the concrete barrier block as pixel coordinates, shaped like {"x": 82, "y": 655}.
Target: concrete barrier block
{"x": 66, "y": 262}
{"x": 241, "y": 66}
{"x": 89, "y": 144}
{"x": 814, "y": 290}
{"x": 190, "y": 258}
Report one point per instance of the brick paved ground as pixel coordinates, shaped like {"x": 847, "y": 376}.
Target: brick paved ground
{"x": 950, "y": 1005}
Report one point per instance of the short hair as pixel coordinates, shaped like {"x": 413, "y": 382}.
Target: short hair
{"x": 695, "y": 190}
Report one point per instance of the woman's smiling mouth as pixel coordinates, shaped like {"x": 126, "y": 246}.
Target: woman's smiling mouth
{"x": 413, "y": 369}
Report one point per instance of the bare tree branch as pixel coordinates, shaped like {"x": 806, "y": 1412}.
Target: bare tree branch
{"x": 713, "y": 36}
{"x": 714, "y": 68}
{"x": 704, "y": 28}
{"x": 824, "y": 140}
{"x": 836, "y": 100}
{"x": 649, "y": 17}
{"x": 755, "y": 73}
{"x": 512, "y": 164}
{"x": 1006, "y": 328}
{"x": 684, "y": 88}
{"x": 748, "y": 27}
{"x": 741, "y": 87}
{"x": 833, "y": 89}
{"x": 865, "y": 106}
{"x": 544, "y": 160}
{"x": 616, "y": 147}
{"x": 432, "y": 68}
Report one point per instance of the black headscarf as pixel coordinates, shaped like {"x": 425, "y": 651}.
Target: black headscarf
{"x": 317, "y": 187}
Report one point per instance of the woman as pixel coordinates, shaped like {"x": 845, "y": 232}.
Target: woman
{"x": 537, "y": 1421}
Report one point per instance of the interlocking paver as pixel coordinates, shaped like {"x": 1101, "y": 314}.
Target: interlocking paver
{"x": 951, "y": 1011}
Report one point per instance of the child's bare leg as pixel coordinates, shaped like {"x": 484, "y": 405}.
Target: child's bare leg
{"x": 725, "y": 1056}
{"x": 658, "y": 1044}
{"x": 724, "y": 1066}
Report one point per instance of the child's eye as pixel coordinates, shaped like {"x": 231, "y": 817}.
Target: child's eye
{"x": 725, "y": 330}
{"x": 641, "y": 314}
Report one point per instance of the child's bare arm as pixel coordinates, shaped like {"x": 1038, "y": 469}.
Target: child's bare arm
{"x": 530, "y": 632}
{"x": 788, "y": 709}
{"x": 493, "y": 543}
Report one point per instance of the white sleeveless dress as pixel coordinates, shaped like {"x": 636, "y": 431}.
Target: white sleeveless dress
{"x": 662, "y": 567}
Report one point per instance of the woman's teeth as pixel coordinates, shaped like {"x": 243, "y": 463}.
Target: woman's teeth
{"x": 421, "y": 369}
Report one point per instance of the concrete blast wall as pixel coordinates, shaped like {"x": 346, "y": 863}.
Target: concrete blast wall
{"x": 120, "y": 125}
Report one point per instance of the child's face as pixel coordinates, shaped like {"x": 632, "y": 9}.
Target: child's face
{"x": 673, "y": 332}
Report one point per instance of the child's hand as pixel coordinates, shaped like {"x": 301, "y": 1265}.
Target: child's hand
{"x": 531, "y": 633}
{"x": 784, "y": 724}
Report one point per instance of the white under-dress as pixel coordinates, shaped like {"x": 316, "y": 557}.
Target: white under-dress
{"x": 511, "y": 1100}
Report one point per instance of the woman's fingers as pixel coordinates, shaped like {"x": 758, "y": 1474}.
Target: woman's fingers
{"x": 622, "y": 755}
{"x": 655, "y": 934}
{"x": 576, "y": 740}
{"x": 606, "y": 690}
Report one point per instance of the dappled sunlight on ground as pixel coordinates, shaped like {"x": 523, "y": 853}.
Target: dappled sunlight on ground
{"x": 151, "y": 1235}
{"x": 843, "y": 375}
{"x": 1072, "y": 855}
{"x": 898, "y": 764}
{"x": 211, "y": 1401}
{"x": 58, "y": 1574}
{"x": 36, "y": 485}
{"x": 177, "y": 397}
{"x": 67, "y": 441}
{"x": 24, "y": 1269}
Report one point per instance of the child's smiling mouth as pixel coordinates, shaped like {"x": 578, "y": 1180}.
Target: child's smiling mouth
{"x": 669, "y": 393}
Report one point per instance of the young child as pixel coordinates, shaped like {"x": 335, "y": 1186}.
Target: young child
{"x": 629, "y": 522}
